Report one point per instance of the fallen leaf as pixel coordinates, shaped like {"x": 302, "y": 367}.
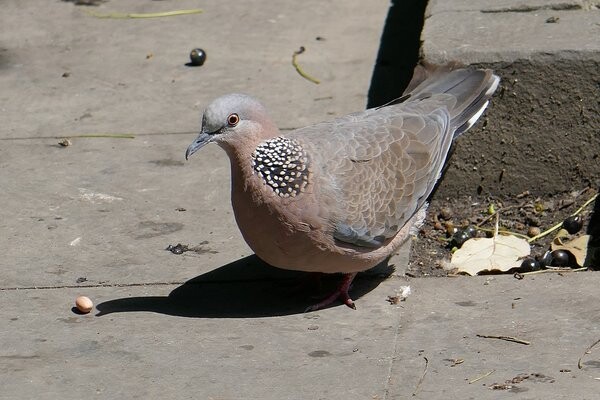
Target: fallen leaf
{"x": 578, "y": 247}
{"x": 499, "y": 253}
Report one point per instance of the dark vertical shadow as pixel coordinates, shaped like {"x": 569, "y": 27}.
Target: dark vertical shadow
{"x": 398, "y": 51}
{"x": 593, "y": 254}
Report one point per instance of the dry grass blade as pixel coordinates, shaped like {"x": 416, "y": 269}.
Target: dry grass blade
{"x": 507, "y": 338}
{"x": 587, "y": 351}
{"x": 299, "y": 69}
{"x": 482, "y": 376}
{"x": 559, "y": 225}
{"x": 117, "y": 15}
{"x": 489, "y": 217}
{"x": 422, "y": 377}
{"x": 504, "y": 232}
{"x": 555, "y": 270}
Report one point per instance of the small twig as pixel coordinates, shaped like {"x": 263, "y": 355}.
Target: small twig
{"x": 553, "y": 269}
{"x": 559, "y": 225}
{"x": 587, "y": 203}
{"x": 504, "y": 232}
{"x": 497, "y": 225}
{"x": 482, "y": 376}
{"x": 486, "y": 219}
{"x": 457, "y": 361}
{"x": 497, "y": 230}
{"x": 507, "y": 338}
{"x": 422, "y": 377}
{"x": 118, "y": 15}
{"x": 545, "y": 233}
{"x": 588, "y": 351}
{"x": 300, "y": 70}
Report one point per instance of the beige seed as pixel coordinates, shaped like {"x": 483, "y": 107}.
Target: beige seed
{"x": 84, "y": 304}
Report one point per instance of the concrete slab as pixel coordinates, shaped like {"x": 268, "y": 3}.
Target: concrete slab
{"x": 129, "y": 75}
{"x": 95, "y": 217}
{"x": 155, "y": 341}
{"x": 442, "y": 319}
{"x": 477, "y": 33}
{"x": 111, "y": 204}
{"x": 206, "y": 339}
{"x": 514, "y": 6}
{"x": 216, "y": 322}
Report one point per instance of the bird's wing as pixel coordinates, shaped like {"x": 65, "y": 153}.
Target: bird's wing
{"x": 379, "y": 166}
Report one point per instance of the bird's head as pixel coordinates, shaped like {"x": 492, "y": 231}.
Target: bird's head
{"x": 231, "y": 119}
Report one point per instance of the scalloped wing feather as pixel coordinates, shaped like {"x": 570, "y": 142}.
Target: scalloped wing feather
{"x": 378, "y": 167}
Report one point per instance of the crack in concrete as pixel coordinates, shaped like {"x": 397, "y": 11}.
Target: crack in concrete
{"x": 388, "y": 381}
{"x": 523, "y": 8}
{"x": 528, "y": 8}
{"x": 97, "y": 285}
{"x": 79, "y": 137}
{"x": 9, "y": 139}
{"x": 169, "y": 283}
{"x": 582, "y": 5}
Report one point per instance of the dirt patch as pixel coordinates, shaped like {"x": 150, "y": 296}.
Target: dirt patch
{"x": 432, "y": 248}
{"x": 530, "y": 155}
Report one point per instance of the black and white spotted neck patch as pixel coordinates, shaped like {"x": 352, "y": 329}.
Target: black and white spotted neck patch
{"x": 283, "y": 164}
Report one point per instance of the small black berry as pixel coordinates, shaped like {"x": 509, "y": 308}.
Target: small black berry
{"x": 471, "y": 231}
{"x": 459, "y": 238}
{"x": 560, "y": 258}
{"x": 197, "y": 57}
{"x": 530, "y": 264}
{"x": 573, "y": 224}
{"x": 546, "y": 259}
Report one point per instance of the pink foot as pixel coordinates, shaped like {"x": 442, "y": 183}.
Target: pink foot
{"x": 340, "y": 293}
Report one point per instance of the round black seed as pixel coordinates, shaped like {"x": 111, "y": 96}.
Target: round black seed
{"x": 530, "y": 264}
{"x": 560, "y": 258}
{"x": 197, "y": 57}
{"x": 573, "y": 224}
{"x": 459, "y": 238}
{"x": 471, "y": 231}
{"x": 546, "y": 259}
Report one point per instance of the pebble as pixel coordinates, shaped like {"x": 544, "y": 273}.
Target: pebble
{"x": 533, "y": 231}
{"x": 84, "y": 304}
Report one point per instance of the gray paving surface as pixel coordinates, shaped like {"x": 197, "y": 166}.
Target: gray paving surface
{"x": 509, "y": 30}
{"x": 216, "y": 323}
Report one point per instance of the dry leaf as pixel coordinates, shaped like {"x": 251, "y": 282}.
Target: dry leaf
{"x": 499, "y": 253}
{"x": 578, "y": 247}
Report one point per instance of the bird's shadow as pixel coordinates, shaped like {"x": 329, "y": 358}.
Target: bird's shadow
{"x": 246, "y": 288}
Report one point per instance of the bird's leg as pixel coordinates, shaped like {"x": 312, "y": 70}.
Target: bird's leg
{"x": 340, "y": 293}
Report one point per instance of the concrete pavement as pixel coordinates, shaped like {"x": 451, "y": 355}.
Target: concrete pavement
{"x": 94, "y": 218}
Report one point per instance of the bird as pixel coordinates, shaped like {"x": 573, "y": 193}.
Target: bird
{"x": 341, "y": 196}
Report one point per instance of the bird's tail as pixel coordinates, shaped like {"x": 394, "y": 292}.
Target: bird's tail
{"x": 471, "y": 87}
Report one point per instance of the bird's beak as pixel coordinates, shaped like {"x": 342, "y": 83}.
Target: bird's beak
{"x": 198, "y": 143}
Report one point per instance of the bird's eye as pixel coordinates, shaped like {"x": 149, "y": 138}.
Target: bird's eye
{"x": 233, "y": 120}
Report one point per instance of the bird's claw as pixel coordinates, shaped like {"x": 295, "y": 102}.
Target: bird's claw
{"x": 340, "y": 293}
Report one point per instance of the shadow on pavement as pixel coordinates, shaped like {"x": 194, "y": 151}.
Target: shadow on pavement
{"x": 246, "y": 288}
{"x": 398, "y": 51}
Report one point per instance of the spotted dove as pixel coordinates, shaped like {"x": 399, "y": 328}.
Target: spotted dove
{"x": 343, "y": 195}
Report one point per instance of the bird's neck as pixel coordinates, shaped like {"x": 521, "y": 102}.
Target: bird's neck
{"x": 240, "y": 148}
{"x": 240, "y": 159}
